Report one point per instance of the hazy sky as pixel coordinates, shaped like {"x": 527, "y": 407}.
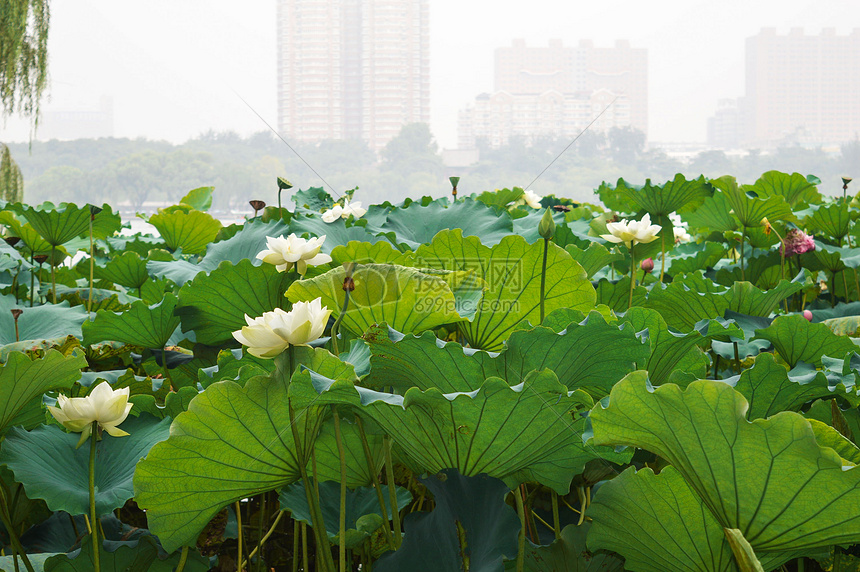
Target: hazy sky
{"x": 172, "y": 66}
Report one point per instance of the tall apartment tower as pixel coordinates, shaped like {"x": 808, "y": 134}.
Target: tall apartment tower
{"x": 802, "y": 88}
{"x": 352, "y": 69}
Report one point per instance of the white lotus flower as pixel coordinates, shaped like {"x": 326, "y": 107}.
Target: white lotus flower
{"x": 632, "y": 232}
{"x": 531, "y": 199}
{"x": 286, "y": 252}
{"x": 338, "y": 211}
{"x": 273, "y": 332}
{"x": 681, "y": 234}
{"x": 107, "y": 406}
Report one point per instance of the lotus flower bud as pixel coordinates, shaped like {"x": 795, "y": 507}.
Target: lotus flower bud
{"x": 647, "y": 265}
{"x": 808, "y": 315}
{"x": 546, "y": 228}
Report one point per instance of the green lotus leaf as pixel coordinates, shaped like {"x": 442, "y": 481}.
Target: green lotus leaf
{"x": 770, "y": 388}
{"x": 358, "y": 356}
{"x": 23, "y": 379}
{"x": 198, "y": 199}
{"x": 794, "y": 188}
{"x": 512, "y": 272}
{"x": 337, "y": 233}
{"x": 102, "y": 299}
{"x": 244, "y": 244}
{"x": 693, "y": 298}
{"x": 175, "y": 402}
{"x": 138, "y": 243}
{"x": 594, "y": 258}
{"x": 525, "y": 433}
{"x": 191, "y": 231}
{"x": 768, "y": 478}
{"x": 692, "y": 257}
{"x": 828, "y": 436}
{"x": 46, "y": 462}
{"x": 44, "y": 322}
{"x": 616, "y": 295}
{"x": 214, "y": 305}
{"x": 661, "y": 200}
{"x": 500, "y": 198}
{"x": 528, "y": 224}
{"x": 139, "y": 556}
{"x": 834, "y": 220}
{"x": 592, "y": 355}
{"x": 472, "y": 506}
{"x": 658, "y": 523}
{"x": 417, "y": 224}
{"x": 314, "y": 198}
{"x": 714, "y": 215}
{"x": 58, "y": 226}
{"x": 749, "y": 208}
{"x": 796, "y": 339}
{"x": 406, "y": 298}
{"x": 822, "y": 410}
{"x": 366, "y": 253}
{"x": 233, "y": 442}
{"x": 141, "y": 325}
{"x": 127, "y": 269}
{"x": 363, "y": 513}
{"x": 618, "y": 198}
{"x": 328, "y": 457}
{"x": 567, "y": 553}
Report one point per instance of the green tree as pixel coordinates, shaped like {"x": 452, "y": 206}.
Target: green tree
{"x": 23, "y": 75}
{"x": 413, "y": 150}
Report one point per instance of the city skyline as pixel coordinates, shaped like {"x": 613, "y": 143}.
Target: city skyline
{"x": 174, "y": 69}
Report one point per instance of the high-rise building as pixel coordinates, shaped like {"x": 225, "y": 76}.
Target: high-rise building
{"x": 352, "y": 69}
{"x": 558, "y": 90}
{"x": 802, "y": 88}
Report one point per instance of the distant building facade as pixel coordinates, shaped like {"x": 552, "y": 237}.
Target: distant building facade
{"x": 352, "y": 69}
{"x": 558, "y": 90}
{"x": 800, "y": 90}
{"x": 68, "y": 124}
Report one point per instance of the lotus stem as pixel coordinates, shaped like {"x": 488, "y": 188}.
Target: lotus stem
{"x": 342, "y": 524}
{"x": 265, "y": 537}
{"x": 53, "y": 278}
{"x": 296, "y": 534}
{"x": 845, "y": 285}
{"x": 261, "y": 515}
{"x": 662, "y": 256}
{"x": 743, "y": 239}
{"x": 329, "y": 562}
{"x": 737, "y": 358}
{"x": 857, "y": 283}
{"x": 801, "y": 564}
{"x": 556, "y": 524}
{"x": 582, "y": 505}
{"x": 521, "y": 541}
{"x": 165, "y": 370}
{"x": 15, "y": 281}
{"x": 92, "y": 268}
{"x": 374, "y": 475}
{"x": 305, "y": 558}
{"x": 32, "y": 280}
{"x": 632, "y": 277}
{"x": 183, "y": 558}
{"x": 392, "y": 492}
{"x": 543, "y": 279}
{"x": 348, "y": 286}
{"x": 239, "y": 541}
{"x": 6, "y": 519}
{"x": 93, "y": 517}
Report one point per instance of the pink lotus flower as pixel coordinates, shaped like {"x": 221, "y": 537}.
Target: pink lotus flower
{"x": 797, "y": 242}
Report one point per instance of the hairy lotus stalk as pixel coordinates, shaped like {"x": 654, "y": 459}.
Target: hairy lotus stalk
{"x": 342, "y": 524}
{"x": 93, "y": 517}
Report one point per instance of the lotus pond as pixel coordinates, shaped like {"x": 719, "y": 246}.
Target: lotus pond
{"x": 666, "y": 379}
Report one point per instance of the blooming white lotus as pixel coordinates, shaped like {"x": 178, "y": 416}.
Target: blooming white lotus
{"x": 531, "y": 199}
{"x": 681, "y": 234}
{"x": 344, "y": 211}
{"x": 632, "y": 232}
{"x": 293, "y": 250}
{"x": 107, "y": 406}
{"x": 273, "y": 332}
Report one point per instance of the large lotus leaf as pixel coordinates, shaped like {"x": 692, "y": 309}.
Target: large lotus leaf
{"x": 836, "y": 258}
{"x": 714, "y": 215}
{"x": 619, "y": 197}
{"x": 500, "y": 198}
{"x": 616, "y": 295}
{"x": 525, "y": 433}
{"x": 244, "y": 244}
{"x": 567, "y": 553}
{"x": 473, "y": 506}
{"x": 528, "y": 226}
{"x": 363, "y": 513}
{"x": 366, "y": 253}
{"x": 594, "y": 258}
{"x": 314, "y": 198}
{"x": 214, "y": 305}
{"x": 23, "y": 379}
{"x": 46, "y": 462}
{"x": 44, "y": 322}
{"x": 834, "y": 220}
{"x": 337, "y": 233}
{"x": 138, "y": 556}
{"x": 199, "y": 199}
{"x": 58, "y": 226}
{"x": 659, "y": 524}
{"x": 191, "y": 231}
{"x": 233, "y": 442}
{"x": 769, "y": 478}
{"x": 671, "y": 353}
{"x": 328, "y": 457}
{"x": 692, "y": 257}
{"x": 512, "y": 272}
{"x": 417, "y": 224}
{"x": 406, "y": 298}
{"x": 796, "y": 339}
{"x": 823, "y": 411}
{"x": 749, "y": 208}
{"x": 141, "y": 325}
{"x": 128, "y": 270}
{"x": 794, "y": 188}
{"x": 693, "y": 298}
{"x": 591, "y": 355}
{"x": 675, "y": 195}
{"x": 770, "y": 388}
